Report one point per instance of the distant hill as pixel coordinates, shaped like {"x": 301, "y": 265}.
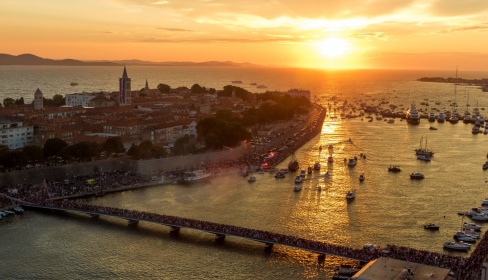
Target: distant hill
{"x": 30, "y": 59}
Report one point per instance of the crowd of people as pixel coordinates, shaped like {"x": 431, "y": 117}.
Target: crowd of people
{"x": 46, "y": 193}
{"x": 464, "y": 268}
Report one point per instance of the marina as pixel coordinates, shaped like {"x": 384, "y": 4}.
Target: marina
{"x": 270, "y": 204}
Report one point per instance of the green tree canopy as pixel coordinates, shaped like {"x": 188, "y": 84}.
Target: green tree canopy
{"x": 113, "y": 145}
{"x": 54, "y": 147}
{"x": 196, "y": 88}
{"x": 8, "y": 101}
{"x": 33, "y": 153}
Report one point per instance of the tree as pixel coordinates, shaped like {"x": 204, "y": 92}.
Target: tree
{"x": 212, "y": 141}
{"x": 196, "y": 88}
{"x": 8, "y": 101}
{"x": 33, "y": 153}
{"x": 58, "y": 100}
{"x": 163, "y": 88}
{"x": 19, "y": 101}
{"x": 13, "y": 159}
{"x": 84, "y": 150}
{"x": 113, "y": 145}
{"x": 184, "y": 145}
{"x": 54, "y": 147}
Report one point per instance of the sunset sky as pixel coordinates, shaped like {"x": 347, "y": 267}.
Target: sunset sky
{"x": 403, "y": 34}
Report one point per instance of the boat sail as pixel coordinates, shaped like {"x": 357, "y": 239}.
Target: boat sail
{"x": 293, "y": 165}
{"x": 423, "y": 151}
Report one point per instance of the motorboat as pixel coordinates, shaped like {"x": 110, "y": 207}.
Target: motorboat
{"x": 479, "y": 217}
{"x": 350, "y": 195}
{"x": 330, "y": 159}
{"x": 73, "y": 84}
{"x": 431, "y": 226}
{"x": 461, "y": 236}
{"x": 298, "y": 179}
{"x": 361, "y": 177}
{"x": 309, "y": 170}
{"x": 352, "y": 162}
{"x": 340, "y": 277}
{"x": 293, "y": 165}
{"x": 413, "y": 116}
{"x": 279, "y": 175}
{"x": 303, "y": 173}
{"x": 297, "y": 188}
{"x": 485, "y": 166}
{"x": 251, "y": 179}
{"x": 459, "y": 246}
{"x": 394, "y": 168}
{"x": 441, "y": 117}
{"x": 472, "y": 226}
{"x": 347, "y": 271}
{"x": 390, "y": 121}
{"x": 18, "y": 210}
{"x": 194, "y": 176}
{"x": 484, "y": 202}
{"x": 327, "y": 174}
{"x": 283, "y": 170}
{"x": 316, "y": 166}
{"x": 431, "y": 117}
{"x": 319, "y": 188}
{"x": 433, "y": 128}
{"x": 416, "y": 175}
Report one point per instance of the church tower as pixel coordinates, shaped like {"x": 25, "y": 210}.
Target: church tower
{"x": 125, "y": 92}
{"x": 38, "y": 100}
{"x": 146, "y": 89}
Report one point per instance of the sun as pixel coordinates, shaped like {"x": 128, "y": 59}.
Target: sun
{"x": 334, "y": 47}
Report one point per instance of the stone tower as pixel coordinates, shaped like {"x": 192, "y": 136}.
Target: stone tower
{"x": 125, "y": 92}
{"x": 38, "y": 100}
{"x": 146, "y": 89}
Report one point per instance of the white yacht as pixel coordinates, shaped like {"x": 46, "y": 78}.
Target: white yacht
{"x": 413, "y": 116}
{"x": 431, "y": 117}
{"x": 471, "y": 226}
{"x": 457, "y": 246}
{"x": 194, "y": 176}
{"x": 441, "y": 117}
{"x": 298, "y": 179}
{"x": 461, "y": 236}
{"x": 297, "y": 188}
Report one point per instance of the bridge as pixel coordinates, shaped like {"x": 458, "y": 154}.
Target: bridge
{"x": 269, "y": 239}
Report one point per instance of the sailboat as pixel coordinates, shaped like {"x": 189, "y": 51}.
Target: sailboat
{"x": 422, "y": 151}
{"x": 455, "y": 115}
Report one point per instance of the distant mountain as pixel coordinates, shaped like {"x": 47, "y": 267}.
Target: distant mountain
{"x": 30, "y": 59}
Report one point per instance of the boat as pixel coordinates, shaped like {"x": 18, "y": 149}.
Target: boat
{"x": 475, "y": 129}
{"x": 352, "y": 162}
{"x": 441, "y": 117}
{"x": 236, "y": 82}
{"x": 459, "y": 246}
{"x": 309, "y": 170}
{"x": 431, "y": 117}
{"x": 347, "y": 271}
{"x": 340, "y": 277}
{"x": 479, "y": 217}
{"x": 194, "y": 176}
{"x": 432, "y": 128}
{"x": 361, "y": 177}
{"x": 9, "y": 212}
{"x": 461, "y": 236}
{"x": 279, "y": 175}
{"x": 422, "y": 150}
{"x": 297, "y": 188}
{"x": 18, "y": 210}
{"x": 471, "y": 226}
{"x": 485, "y": 165}
{"x": 303, "y": 173}
{"x": 431, "y": 226}
{"x": 74, "y": 84}
{"x": 316, "y": 166}
{"x": 413, "y": 115}
{"x": 251, "y": 179}
{"x": 424, "y": 157}
{"x": 417, "y": 175}
{"x": 327, "y": 174}
{"x": 351, "y": 194}
{"x": 391, "y": 121}
{"x": 298, "y": 179}
{"x": 293, "y": 165}
{"x": 330, "y": 159}
{"x": 394, "y": 168}
{"x": 320, "y": 188}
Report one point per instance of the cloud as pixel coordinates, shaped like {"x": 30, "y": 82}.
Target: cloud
{"x": 480, "y": 27}
{"x": 459, "y": 7}
{"x": 175, "y": 29}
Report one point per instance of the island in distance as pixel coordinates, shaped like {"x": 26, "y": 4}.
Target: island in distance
{"x": 30, "y": 59}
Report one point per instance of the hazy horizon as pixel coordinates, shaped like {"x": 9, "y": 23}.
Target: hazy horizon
{"x": 377, "y": 34}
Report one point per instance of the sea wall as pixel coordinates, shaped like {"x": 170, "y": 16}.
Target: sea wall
{"x": 36, "y": 175}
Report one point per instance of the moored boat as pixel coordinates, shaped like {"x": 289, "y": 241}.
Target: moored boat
{"x": 251, "y": 179}
{"x": 394, "y": 168}
{"x": 413, "y": 116}
{"x": 351, "y": 194}
{"x": 194, "y": 176}
{"x": 431, "y": 226}
{"x": 297, "y": 188}
{"x": 361, "y": 177}
{"x": 298, "y": 179}
{"x": 416, "y": 175}
{"x": 316, "y": 166}
{"x": 458, "y": 246}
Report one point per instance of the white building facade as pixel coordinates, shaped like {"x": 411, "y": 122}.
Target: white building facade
{"x": 79, "y": 99}
{"x": 15, "y": 135}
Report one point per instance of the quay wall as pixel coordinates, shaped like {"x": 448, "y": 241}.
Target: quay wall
{"x": 36, "y": 175}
